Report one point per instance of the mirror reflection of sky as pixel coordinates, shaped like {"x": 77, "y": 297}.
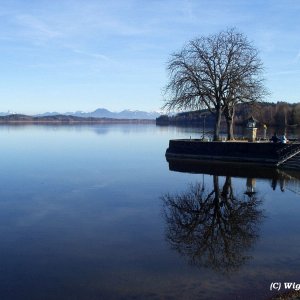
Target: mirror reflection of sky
{"x": 81, "y": 215}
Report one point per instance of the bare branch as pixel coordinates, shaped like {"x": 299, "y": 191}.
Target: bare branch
{"x": 216, "y": 73}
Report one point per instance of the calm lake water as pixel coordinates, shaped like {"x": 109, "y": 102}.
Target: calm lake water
{"x": 94, "y": 212}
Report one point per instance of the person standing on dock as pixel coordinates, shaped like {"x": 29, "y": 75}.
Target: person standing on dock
{"x": 265, "y": 131}
{"x": 275, "y": 138}
{"x": 284, "y": 139}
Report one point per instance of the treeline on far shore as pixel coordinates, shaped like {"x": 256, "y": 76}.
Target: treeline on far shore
{"x": 67, "y": 119}
{"x": 272, "y": 114}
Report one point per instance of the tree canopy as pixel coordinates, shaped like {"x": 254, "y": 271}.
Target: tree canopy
{"x": 215, "y": 72}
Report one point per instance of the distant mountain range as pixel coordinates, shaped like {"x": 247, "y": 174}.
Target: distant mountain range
{"x": 7, "y": 113}
{"x": 101, "y": 113}
{"x": 105, "y": 113}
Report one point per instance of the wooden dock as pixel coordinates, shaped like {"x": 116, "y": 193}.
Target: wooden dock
{"x": 264, "y": 154}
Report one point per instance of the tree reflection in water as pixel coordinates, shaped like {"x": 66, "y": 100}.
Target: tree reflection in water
{"x": 213, "y": 229}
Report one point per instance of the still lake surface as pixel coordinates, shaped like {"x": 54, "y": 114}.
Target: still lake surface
{"x": 94, "y": 212}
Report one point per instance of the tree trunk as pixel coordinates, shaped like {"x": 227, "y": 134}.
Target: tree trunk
{"x": 229, "y": 116}
{"x": 229, "y": 123}
{"x": 217, "y": 124}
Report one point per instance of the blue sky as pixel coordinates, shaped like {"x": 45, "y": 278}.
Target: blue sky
{"x": 68, "y": 55}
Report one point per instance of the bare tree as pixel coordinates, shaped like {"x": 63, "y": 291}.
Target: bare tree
{"x": 215, "y": 72}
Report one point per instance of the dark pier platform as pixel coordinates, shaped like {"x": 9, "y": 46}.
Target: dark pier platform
{"x": 262, "y": 153}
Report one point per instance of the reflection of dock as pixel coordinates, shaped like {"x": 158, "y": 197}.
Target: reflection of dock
{"x": 288, "y": 179}
{"x": 222, "y": 168}
{"x": 292, "y": 179}
{"x": 295, "y": 188}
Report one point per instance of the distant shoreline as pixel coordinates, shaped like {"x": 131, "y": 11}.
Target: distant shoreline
{"x": 66, "y": 119}
{"x": 81, "y": 122}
